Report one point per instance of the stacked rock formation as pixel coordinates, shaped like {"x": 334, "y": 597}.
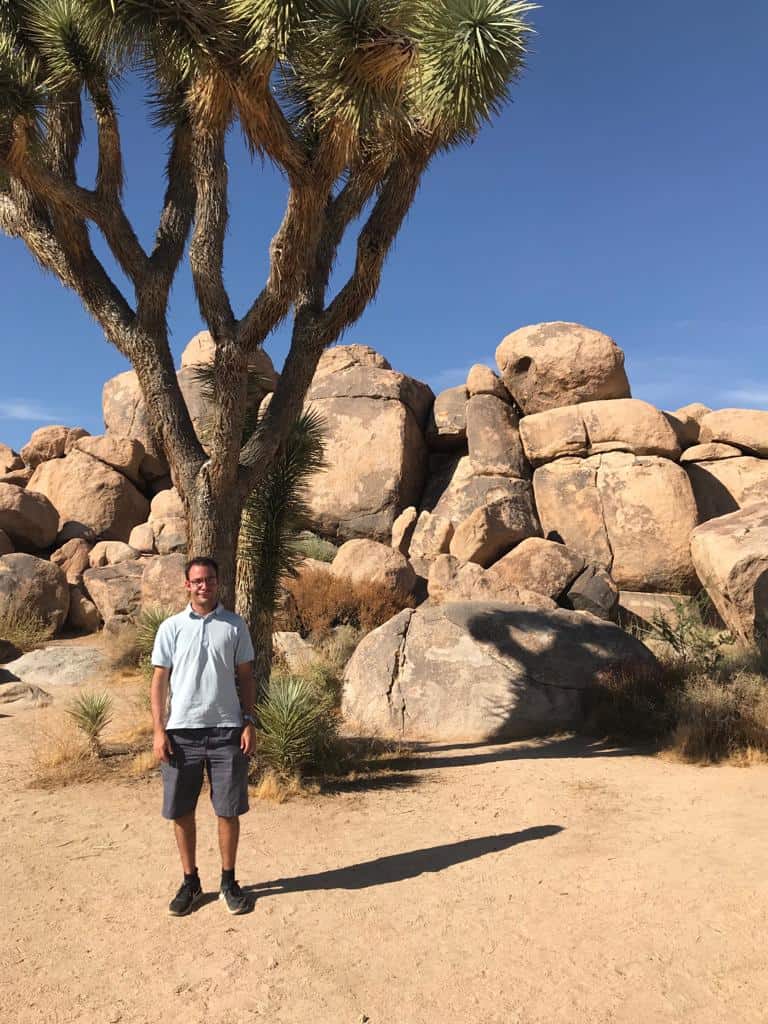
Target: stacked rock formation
{"x": 540, "y": 485}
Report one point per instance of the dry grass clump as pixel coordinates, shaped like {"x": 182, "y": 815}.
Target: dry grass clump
{"x": 62, "y": 757}
{"x": 320, "y": 602}
{"x": 141, "y": 764}
{"x": 721, "y": 719}
{"x": 21, "y": 629}
{"x": 276, "y": 788}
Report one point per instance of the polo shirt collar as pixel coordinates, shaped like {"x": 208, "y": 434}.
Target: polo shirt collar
{"x": 194, "y": 615}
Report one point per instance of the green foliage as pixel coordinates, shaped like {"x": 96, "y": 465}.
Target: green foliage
{"x": 297, "y": 725}
{"x": 278, "y": 509}
{"x": 22, "y": 628}
{"x": 147, "y": 624}
{"x": 310, "y": 546}
{"x": 91, "y": 713}
{"x": 686, "y": 638}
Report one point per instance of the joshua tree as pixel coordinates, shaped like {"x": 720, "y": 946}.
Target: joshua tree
{"x": 351, "y": 99}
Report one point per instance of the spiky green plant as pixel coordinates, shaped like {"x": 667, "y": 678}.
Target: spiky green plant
{"x": 310, "y": 546}
{"x": 91, "y": 713}
{"x": 297, "y": 725}
{"x": 148, "y": 622}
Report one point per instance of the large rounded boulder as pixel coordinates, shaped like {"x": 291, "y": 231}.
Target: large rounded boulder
{"x": 27, "y": 517}
{"x": 548, "y": 365}
{"x": 36, "y": 586}
{"x": 481, "y": 672}
{"x": 92, "y": 499}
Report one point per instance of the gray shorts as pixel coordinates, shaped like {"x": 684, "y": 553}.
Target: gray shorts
{"x": 215, "y": 751}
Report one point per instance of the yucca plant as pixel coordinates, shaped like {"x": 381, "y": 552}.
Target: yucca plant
{"x": 297, "y": 725}
{"x": 91, "y": 713}
{"x": 349, "y": 99}
{"x": 149, "y": 620}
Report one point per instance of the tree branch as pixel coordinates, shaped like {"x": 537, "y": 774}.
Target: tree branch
{"x": 206, "y": 251}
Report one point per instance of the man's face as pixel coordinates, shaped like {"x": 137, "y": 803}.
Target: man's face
{"x": 202, "y": 585}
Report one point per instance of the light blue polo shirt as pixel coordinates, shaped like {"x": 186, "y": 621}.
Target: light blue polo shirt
{"x": 202, "y": 652}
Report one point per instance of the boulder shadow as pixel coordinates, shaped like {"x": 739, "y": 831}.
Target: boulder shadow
{"x": 400, "y": 866}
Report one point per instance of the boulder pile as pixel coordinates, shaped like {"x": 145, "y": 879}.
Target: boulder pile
{"x": 539, "y": 486}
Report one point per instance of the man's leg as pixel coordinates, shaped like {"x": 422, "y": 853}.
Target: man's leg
{"x": 185, "y": 830}
{"x": 229, "y": 835}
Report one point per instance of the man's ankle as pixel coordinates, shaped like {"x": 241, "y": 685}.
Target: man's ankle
{"x": 227, "y": 877}
{"x": 192, "y": 878}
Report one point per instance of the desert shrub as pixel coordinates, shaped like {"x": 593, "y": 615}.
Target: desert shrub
{"x": 320, "y": 602}
{"x": 723, "y": 718}
{"x": 635, "y": 703}
{"x": 689, "y": 639}
{"x": 297, "y": 725}
{"x": 311, "y": 546}
{"x": 91, "y": 713}
{"x": 22, "y": 629}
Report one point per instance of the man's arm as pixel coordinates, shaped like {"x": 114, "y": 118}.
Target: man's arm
{"x": 158, "y": 694}
{"x": 247, "y": 688}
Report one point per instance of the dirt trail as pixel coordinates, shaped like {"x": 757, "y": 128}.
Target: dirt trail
{"x": 521, "y": 884}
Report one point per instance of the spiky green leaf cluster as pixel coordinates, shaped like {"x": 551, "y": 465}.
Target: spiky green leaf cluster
{"x": 278, "y": 509}
{"x": 91, "y": 713}
{"x": 296, "y": 724}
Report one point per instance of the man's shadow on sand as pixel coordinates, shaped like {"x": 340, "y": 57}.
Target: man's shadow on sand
{"x": 400, "y": 866}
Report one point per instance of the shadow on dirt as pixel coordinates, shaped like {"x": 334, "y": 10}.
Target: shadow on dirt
{"x": 400, "y": 866}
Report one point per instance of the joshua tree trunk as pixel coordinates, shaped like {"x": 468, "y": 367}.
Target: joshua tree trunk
{"x": 213, "y": 523}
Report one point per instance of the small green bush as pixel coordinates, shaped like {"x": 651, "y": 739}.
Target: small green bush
{"x": 297, "y": 725}
{"x": 147, "y": 624}
{"x": 91, "y": 713}
{"x": 311, "y": 546}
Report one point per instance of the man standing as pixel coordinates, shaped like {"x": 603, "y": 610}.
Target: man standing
{"x": 205, "y": 653}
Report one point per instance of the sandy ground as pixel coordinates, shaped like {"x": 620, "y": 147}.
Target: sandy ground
{"x": 560, "y": 881}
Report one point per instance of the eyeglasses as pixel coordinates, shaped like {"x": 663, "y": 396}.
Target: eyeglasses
{"x": 203, "y": 580}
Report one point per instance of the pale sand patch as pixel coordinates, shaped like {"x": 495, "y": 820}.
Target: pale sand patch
{"x": 548, "y": 883}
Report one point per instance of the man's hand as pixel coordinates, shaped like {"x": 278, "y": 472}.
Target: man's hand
{"x": 248, "y": 739}
{"x": 161, "y": 745}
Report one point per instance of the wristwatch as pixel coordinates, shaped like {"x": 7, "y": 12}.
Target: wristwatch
{"x": 249, "y": 720}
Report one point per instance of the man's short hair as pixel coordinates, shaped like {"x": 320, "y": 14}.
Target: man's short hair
{"x": 207, "y": 563}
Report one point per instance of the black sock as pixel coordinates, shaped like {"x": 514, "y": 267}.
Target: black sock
{"x": 227, "y": 877}
{"x": 194, "y": 877}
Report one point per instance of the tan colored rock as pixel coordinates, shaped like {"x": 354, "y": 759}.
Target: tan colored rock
{"x": 479, "y": 672}
{"x": 27, "y": 517}
{"x": 627, "y": 424}
{"x": 166, "y": 505}
{"x": 694, "y": 411}
{"x": 481, "y": 380}
{"x": 377, "y": 463}
{"x": 170, "y": 535}
{"x": 110, "y": 552}
{"x": 9, "y": 460}
{"x": 202, "y": 351}
{"x": 366, "y": 561}
{"x": 462, "y": 491}
{"x": 37, "y": 586}
{"x": 402, "y": 530}
{"x": 124, "y": 412}
{"x": 50, "y": 443}
{"x": 644, "y": 610}
{"x": 365, "y": 382}
{"x": 447, "y": 423}
{"x": 431, "y": 537}
{"x": 17, "y": 477}
{"x": 710, "y": 452}
{"x": 493, "y": 438}
{"x": 73, "y": 558}
{"x": 727, "y": 485}
{"x": 142, "y": 538}
{"x": 125, "y": 454}
{"x": 342, "y": 357}
{"x": 745, "y": 428}
{"x": 493, "y": 529}
{"x": 297, "y": 653}
{"x": 162, "y": 583}
{"x": 549, "y": 365}
{"x": 92, "y": 499}
{"x": 83, "y": 613}
{"x": 450, "y": 579}
{"x": 116, "y": 591}
{"x": 153, "y": 468}
{"x": 731, "y": 558}
{"x": 630, "y": 514}
{"x": 539, "y": 565}
{"x": 6, "y": 545}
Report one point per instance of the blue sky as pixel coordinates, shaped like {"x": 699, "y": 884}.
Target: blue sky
{"x": 623, "y": 189}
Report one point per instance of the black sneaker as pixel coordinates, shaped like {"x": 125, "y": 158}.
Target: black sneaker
{"x": 188, "y": 896}
{"x": 236, "y": 900}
